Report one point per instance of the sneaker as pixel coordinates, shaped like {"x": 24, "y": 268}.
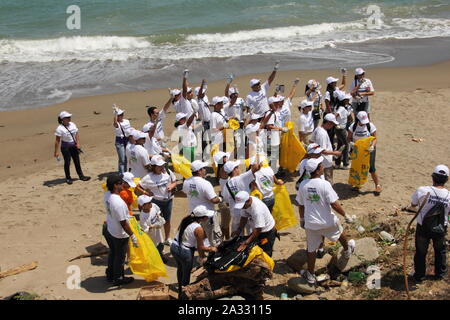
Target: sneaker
{"x": 85, "y": 178}
{"x": 123, "y": 281}
{"x": 310, "y": 278}
{"x": 416, "y": 278}
{"x": 168, "y": 242}
{"x": 351, "y": 249}
{"x": 69, "y": 181}
{"x": 320, "y": 253}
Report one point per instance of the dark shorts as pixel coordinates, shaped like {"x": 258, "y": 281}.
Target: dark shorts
{"x": 166, "y": 208}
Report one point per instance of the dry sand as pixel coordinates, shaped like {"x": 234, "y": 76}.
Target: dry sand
{"x": 45, "y": 220}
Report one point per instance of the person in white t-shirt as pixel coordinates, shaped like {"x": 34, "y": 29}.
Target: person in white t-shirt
{"x": 321, "y": 137}
{"x": 205, "y": 116}
{"x": 363, "y": 128}
{"x": 344, "y": 118}
{"x": 312, "y": 93}
{"x": 151, "y": 222}
{"x": 331, "y": 100}
{"x": 255, "y": 136}
{"x": 157, "y": 116}
{"x": 117, "y": 231}
{"x": 186, "y": 133}
{"x": 274, "y": 129}
{"x": 219, "y": 122}
{"x": 137, "y": 155}
{"x": 313, "y": 150}
{"x": 160, "y": 183}
{"x": 220, "y": 159}
{"x": 121, "y": 127}
{"x": 191, "y": 237}
{"x": 361, "y": 89}
{"x": 306, "y": 121}
{"x": 257, "y": 98}
{"x": 316, "y": 198}
{"x": 436, "y": 194}
{"x": 255, "y": 213}
{"x": 286, "y": 103}
{"x": 153, "y": 142}
{"x": 68, "y": 137}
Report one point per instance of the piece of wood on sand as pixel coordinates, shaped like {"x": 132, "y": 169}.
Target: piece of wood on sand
{"x": 95, "y": 250}
{"x": 17, "y": 270}
{"x": 249, "y": 281}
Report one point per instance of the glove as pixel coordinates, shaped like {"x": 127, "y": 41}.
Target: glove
{"x": 134, "y": 241}
{"x": 351, "y": 144}
{"x": 371, "y": 149}
{"x": 220, "y": 199}
{"x": 226, "y": 125}
{"x": 230, "y": 78}
{"x": 277, "y": 65}
{"x": 284, "y": 129}
{"x": 302, "y": 223}
{"x": 185, "y": 73}
{"x": 344, "y": 71}
{"x": 348, "y": 219}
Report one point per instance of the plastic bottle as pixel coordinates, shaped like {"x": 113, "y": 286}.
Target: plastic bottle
{"x": 361, "y": 229}
{"x": 386, "y": 236}
{"x": 284, "y": 296}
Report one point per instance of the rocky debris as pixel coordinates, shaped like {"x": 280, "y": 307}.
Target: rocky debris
{"x": 232, "y": 298}
{"x": 366, "y": 251}
{"x": 300, "y": 285}
{"x": 298, "y": 261}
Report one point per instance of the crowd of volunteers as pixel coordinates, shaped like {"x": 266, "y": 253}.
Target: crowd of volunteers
{"x": 330, "y": 123}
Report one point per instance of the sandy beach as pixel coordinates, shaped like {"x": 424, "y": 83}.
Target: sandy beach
{"x": 47, "y": 221}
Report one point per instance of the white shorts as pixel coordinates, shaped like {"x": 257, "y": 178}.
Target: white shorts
{"x": 315, "y": 237}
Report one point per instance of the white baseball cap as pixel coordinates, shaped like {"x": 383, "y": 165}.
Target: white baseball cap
{"x": 139, "y": 135}
{"x": 272, "y": 100}
{"x": 144, "y": 199}
{"x": 189, "y": 89}
{"x": 359, "y": 71}
{"x": 261, "y": 159}
{"x": 331, "y": 80}
{"x": 311, "y": 83}
{"x": 64, "y": 114}
{"x": 254, "y": 82}
{"x": 306, "y": 103}
{"x": 240, "y": 199}
{"x": 312, "y": 164}
{"x": 218, "y": 156}
{"x": 197, "y": 90}
{"x": 280, "y": 98}
{"x": 128, "y": 177}
{"x": 442, "y": 170}
{"x": 120, "y": 111}
{"x": 233, "y": 91}
{"x": 230, "y": 165}
{"x": 180, "y": 116}
{"x": 197, "y": 165}
{"x": 256, "y": 116}
{"x": 157, "y": 161}
{"x": 202, "y": 211}
{"x": 362, "y": 117}
{"x": 217, "y": 100}
{"x": 175, "y": 92}
{"x": 331, "y": 117}
{"x": 314, "y": 148}
{"x": 147, "y": 126}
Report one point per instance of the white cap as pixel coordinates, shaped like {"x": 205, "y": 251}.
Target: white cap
{"x": 180, "y": 116}
{"x": 217, "y": 100}
{"x": 331, "y": 80}
{"x": 314, "y": 148}
{"x": 120, "y": 111}
{"x": 312, "y": 164}
{"x": 240, "y": 199}
{"x": 139, "y": 135}
{"x": 197, "y": 90}
{"x": 362, "y": 117}
{"x": 272, "y": 100}
{"x": 261, "y": 159}
{"x": 359, "y": 71}
{"x": 225, "y": 100}
{"x": 256, "y": 116}
{"x": 157, "y": 161}
{"x": 441, "y": 169}
{"x": 147, "y": 126}
{"x": 311, "y": 83}
{"x": 233, "y": 91}
{"x": 346, "y": 96}
{"x": 188, "y": 89}
{"x": 306, "y": 103}
{"x": 144, "y": 199}
{"x": 280, "y": 98}
{"x": 175, "y": 92}
{"x": 230, "y": 165}
{"x": 128, "y": 177}
{"x": 202, "y": 211}
{"x": 331, "y": 117}
{"x": 218, "y": 156}
{"x": 254, "y": 82}
{"x": 64, "y": 114}
{"x": 197, "y": 165}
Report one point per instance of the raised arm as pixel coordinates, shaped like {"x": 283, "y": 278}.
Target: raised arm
{"x": 294, "y": 88}
{"x": 274, "y": 72}
{"x": 201, "y": 94}
{"x": 227, "y": 87}
{"x": 185, "y": 84}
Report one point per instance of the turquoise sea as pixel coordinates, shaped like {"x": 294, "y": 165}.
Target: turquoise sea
{"x": 134, "y": 44}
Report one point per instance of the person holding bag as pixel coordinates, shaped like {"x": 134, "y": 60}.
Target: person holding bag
{"x": 68, "y": 138}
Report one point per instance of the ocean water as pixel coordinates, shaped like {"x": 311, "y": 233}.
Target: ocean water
{"x": 138, "y": 44}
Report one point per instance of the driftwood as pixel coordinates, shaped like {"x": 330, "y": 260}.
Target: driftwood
{"x": 92, "y": 254}
{"x": 17, "y": 270}
{"x": 248, "y": 281}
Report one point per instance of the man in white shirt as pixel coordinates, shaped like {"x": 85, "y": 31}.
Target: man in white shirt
{"x": 205, "y": 116}
{"x": 257, "y": 98}
{"x": 361, "y": 89}
{"x": 117, "y": 231}
{"x": 257, "y": 215}
{"x": 343, "y": 117}
{"x": 321, "y": 137}
{"x": 218, "y": 123}
{"x": 137, "y": 155}
{"x": 306, "y": 121}
{"x": 433, "y": 195}
{"x": 316, "y": 197}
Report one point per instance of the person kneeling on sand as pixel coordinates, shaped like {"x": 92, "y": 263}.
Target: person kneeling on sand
{"x": 316, "y": 197}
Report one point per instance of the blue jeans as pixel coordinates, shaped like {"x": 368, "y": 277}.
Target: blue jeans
{"x": 185, "y": 261}
{"x": 120, "y": 147}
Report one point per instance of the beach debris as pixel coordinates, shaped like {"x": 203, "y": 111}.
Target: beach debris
{"x": 298, "y": 297}
{"x": 232, "y": 298}
{"x": 356, "y": 276}
{"x": 300, "y": 285}
{"x": 284, "y": 296}
{"x": 97, "y": 251}
{"x": 361, "y": 229}
{"x": 366, "y": 251}
{"x": 17, "y": 270}
{"x": 323, "y": 277}
{"x": 96, "y": 112}
{"x": 155, "y": 291}
{"x": 331, "y": 283}
{"x": 298, "y": 261}
{"x": 418, "y": 139}
{"x": 386, "y": 236}
{"x": 22, "y": 295}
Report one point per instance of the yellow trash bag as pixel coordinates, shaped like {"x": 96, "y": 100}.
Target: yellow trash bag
{"x": 283, "y": 212}
{"x": 256, "y": 193}
{"x": 234, "y": 124}
{"x": 360, "y": 157}
{"x": 145, "y": 260}
{"x": 181, "y": 165}
{"x": 136, "y": 181}
{"x": 255, "y": 253}
{"x": 292, "y": 150}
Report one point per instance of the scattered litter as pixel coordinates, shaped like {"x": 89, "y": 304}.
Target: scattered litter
{"x": 361, "y": 229}
{"x": 386, "y": 236}
{"x": 323, "y": 277}
{"x": 418, "y": 139}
